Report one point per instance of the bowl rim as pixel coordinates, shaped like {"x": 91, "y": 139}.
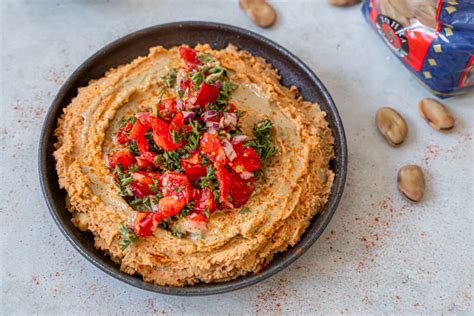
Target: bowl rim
{"x": 211, "y": 288}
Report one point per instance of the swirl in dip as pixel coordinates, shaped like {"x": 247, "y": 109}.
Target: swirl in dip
{"x": 193, "y": 165}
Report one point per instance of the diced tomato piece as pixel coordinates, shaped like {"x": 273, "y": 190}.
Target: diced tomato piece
{"x": 138, "y": 134}
{"x": 177, "y": 193}
{"x": 125, "y": 158}
{"x": 252, "y": 160}
{"x": 183, "y": 81}
{"x": 192, "y": 166}
{"x": 144, "y": 224}
{"x": 240, "y": 189}
{"x": 155, "y": 175}
{"x": 205, "y": 200}
{"x": 247, "y": 159}
{"x": 169, "y": 105}
{"x": 194, "y": 193}
{"x": 140, "y": 190}
{"x": 162, "y": 136}
{"x": 212, "y": 148}
{"x": 177, "y": 123}
{"x": 232, "y": 107}
{"x": 189, "y": 57}
{"x": 207, "y": 94}
{"x": 176, "y": 184}
{"x": 121, "y": 137}
{"x": 194, "y": 224}
{"x": 140, "y": 187}
{"x": 142, "y": 177}
{"x": 198, "y": 217}
{"x": 146, "y": 160}
{"x": 145, "y": 118}
{"x": 169, "y": 206}
{"x": 167, "y": 109}
{"x": 224, "y": 178}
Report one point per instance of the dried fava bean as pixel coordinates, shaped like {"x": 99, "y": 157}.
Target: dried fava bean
{"x": 411, "y": 182}
{"x": 391, "y": 125}
{"x": 259, "y": 11}
{"x": 343, "y": 3}
{"x": 436, "y": 114}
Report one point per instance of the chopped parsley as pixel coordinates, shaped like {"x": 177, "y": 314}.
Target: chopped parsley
{"x": 170, "y": 160}
{"x": 262, "y": 143}
{"x": 210, "y": 181}
{"x": 170, "y": 78}
{"x": 127, "y": 236}
{"x": 244, "y": 210}
{"x": 224, "y": 93}
{"x": 197, "y": 78}
{"x": 205, "y": 58}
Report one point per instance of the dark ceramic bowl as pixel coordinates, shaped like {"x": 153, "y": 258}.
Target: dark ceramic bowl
{"x": 125, "y": 49}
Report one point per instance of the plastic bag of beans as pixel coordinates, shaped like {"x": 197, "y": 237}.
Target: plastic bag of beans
{"x": 433, "y": 38}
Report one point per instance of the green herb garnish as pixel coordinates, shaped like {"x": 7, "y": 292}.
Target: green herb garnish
{"x": 262, "y": 143}
{"x": 244, "y": 210}
{"x": 170, "y": 78}
{"x": 176, "y": 232}
{"x": 224, "y": 93}
{"x": 210, "y": 181}
{"x": 127, "y": 236}
{"x": 197, "y": 78}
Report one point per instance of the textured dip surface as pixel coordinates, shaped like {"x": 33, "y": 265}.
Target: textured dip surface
{"x": 237, "y": 243}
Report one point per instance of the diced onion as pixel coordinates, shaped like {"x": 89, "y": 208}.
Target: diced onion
{"x": 209, "y": 114}
{"x": 154, "y": 206}
{"x": 142, "y": 116}
{"x": 179, "y": 104}
{"x": 211, "y": 130}
{"x": 188, "y": 115}
{"x": 238, "y": 139}
{"x": 228, "y": 149}
{"x": 190, "y": 102}
{"x": 246, "y": 175}
{"x": 228, "y": 120}
{"x": 188, "y": 225}
{"x": 214, "y": 125}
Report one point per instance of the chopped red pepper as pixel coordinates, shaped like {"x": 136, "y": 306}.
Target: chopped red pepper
{"x": 207, "y": 94}
{"x": 125, "y": 158}
{"x": 212, "y": 148}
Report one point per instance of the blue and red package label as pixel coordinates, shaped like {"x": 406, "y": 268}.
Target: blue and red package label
{"x": 433, "y": 38}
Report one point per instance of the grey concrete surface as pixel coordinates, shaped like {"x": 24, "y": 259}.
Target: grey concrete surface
{"x": 380, "y": 254}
